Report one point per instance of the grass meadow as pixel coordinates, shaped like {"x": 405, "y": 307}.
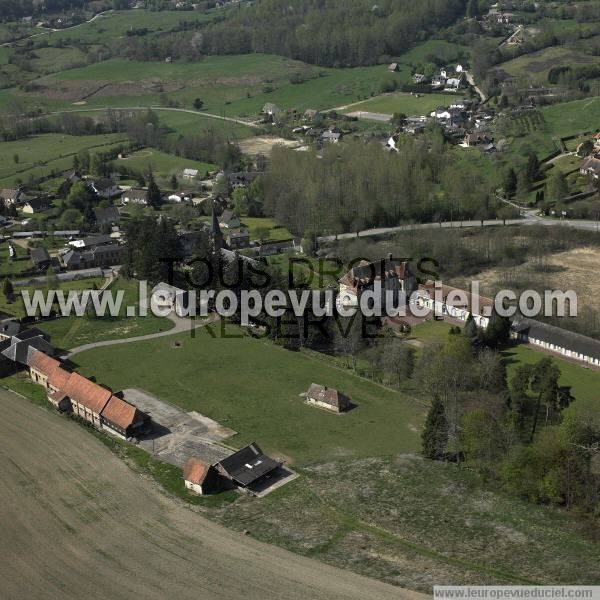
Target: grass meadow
{"x": 409, "y": 104}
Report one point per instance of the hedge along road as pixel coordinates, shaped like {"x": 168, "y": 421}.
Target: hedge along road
{"x": 77, "y": 522}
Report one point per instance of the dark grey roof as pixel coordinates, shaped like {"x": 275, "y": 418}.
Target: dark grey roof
{"x": 38, "y": 203}
{"x": 557, "y": 336}
{"x": 19, "y": 351}
{"x": 110, "y": 214}
{"x": 39, "y": 256}
{"x": 10, "y": 327}
{"x": 248, "y": 464}
{"x": 29, "y": 333}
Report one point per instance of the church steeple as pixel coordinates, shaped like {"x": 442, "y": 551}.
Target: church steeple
{"x": 216, "y": 232}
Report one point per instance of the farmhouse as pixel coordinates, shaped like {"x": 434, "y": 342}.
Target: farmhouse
{"x": 419, "y": 78}
{"x": 36, "y": 205}
{"x": 105, "y": 188}
{"x": 591, "y": 166}
{"x": 123, "y": 419}
{"x": 8, "y": 328}
{"x": 567, "y": 343}
{"x": 87, "y": 398}
{"x": 393, "y": 276}
{"x": 135, "y": 196}
{"x": 447, "y": 301}
{"x": 248, "y": 467}
{"x": 41, "y": 366}
{"x": 11, "y": 196}
{"x": 327, "y": 398}
{"x": 238, "y": 239}
{"x": 200, "y": 477}
{"x": 107, "y": 216}
{"x": 477, "y": 138}
{"x": 229, "y": 220}
{"x": 40, "y": 258}
{"x": 170, "y": 298}
{"x": 190, "y": 174}
{"x": 394, "y": 67}
{"x": 332, "y": 137}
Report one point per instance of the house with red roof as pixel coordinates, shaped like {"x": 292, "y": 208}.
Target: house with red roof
{"x": 200, "y": 477}
{"x": 327, "y": 398}
{"x": 123, "y": 419}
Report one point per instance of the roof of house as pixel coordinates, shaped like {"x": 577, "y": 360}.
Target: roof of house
{"x": 557, "y": 336}
{"x": 121, "y": 413}
{"x": 248, "y": 464}
{"x": 10, "y": 326}
{"x": 39, "y": 255}
{"x": 324, "y": 394}
{"x": 86, "y": 392}
{"x": 38, "y": 202}
{"x": 58, "y": 378}
{"x": 239, "y": 233}
{"x": 366, "y": 272}
{"x": 228, "y": 216}
{"x": 10, "y": 193}
{"x": 109, "y": 214}
{"x": 455, "y": 300}
{"x": 31, "y": 332}
{"x": 190, "y": 172}
{"x": 18, "y": 351}
{"x": 591, "y": 163}
{"x": 137, "y": 194}
{"x": 195, "y": 471}
{"x": 104, "y": 184}
{"x": 42, "y": 362}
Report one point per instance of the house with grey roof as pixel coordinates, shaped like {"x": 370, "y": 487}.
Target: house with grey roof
{"x": 107, "y": 216}
{"x": 554, "y": 339}
{"x": 135, "y": 196}
{"x": 40, "y": 258}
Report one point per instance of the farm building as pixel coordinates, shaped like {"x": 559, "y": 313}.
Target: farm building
{"x": 40, "y": 258}
{"x": 41, "y": 366}
{"x": 87, "y": 398}
{"x": 327, "y": 398}
{"x": 447, "y": 301}
{"x": 190, "y": 174}
{"x": 247, "y": 468}
{"x": 200, "y": 477}
{"x": 8, "y": 328}
{"x": 135, "y": 196}
{"x": 36, "y": 205}
{"x": 123, "y": 419}
{"x": 11, "y": 196}
{"x": 567, "y": 343}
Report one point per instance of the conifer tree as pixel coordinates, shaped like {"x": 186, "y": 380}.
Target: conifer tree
{"x": 435, "y": 434}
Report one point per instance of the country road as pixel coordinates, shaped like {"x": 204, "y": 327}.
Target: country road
{"x": 77, "y": 522}
{"x": 159, "y": 108}
{"x": 529, "y": 218}
{"x": 49, "y": 31}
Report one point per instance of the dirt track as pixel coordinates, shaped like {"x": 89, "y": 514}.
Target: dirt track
{"x": 76, "y": 522}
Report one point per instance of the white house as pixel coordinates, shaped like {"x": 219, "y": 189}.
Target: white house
{"x": 447, "y": 301}
{"x": 554, "y": 339}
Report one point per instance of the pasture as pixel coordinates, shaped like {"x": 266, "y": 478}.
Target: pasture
{"x": 253, "y": 387}
{"x": 161, "y": 163}
{"x": 41, "y": 155}
{"x": 412, "y": 105}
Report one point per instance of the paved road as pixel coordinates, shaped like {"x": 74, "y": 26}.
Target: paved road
{"x": 77, "y": 522}
{"x": 529, "y": 218}
{"x": 159, "y": 108}
{"x": 181, "y": 325}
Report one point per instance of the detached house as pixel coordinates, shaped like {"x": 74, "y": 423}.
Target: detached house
{"x": 36, "y": 205}
{"x": 591, "y": 166}
{"x": 190, "y": 174}
{"x": 11, "y": 196}
{"x": 135, "y": 196}
{"x": 105, "y": 188}
{"x": 327, "y": 398}
{"x": 229, "y": 220}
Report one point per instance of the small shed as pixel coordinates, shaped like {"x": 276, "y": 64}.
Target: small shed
{"x": 200, "y": 477}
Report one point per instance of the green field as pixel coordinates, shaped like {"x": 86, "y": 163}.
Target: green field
{"x": 161, "y": 163}
{"x": 536, "y": 65}
{"x": 69, "y": 332}
{"x": 17, "y": 308}
{"x": 409, "y": 104}
{"x": 274, "y": 231}
{"x": 228, "y": 85}
{"x": 43, "y": 154}
{"x": 569, "y": 118}
{"x": 253, "y": 387}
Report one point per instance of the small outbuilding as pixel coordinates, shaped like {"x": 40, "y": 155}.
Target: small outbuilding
{"x": 248, "y": 468}
{"x": 200, "y": 477}
{"x": 328, "y": 398}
